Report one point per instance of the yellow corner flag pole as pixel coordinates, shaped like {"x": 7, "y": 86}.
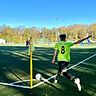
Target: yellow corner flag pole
{"x": 31, "y": 66}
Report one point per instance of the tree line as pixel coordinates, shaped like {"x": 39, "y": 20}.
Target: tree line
{"x": 21, "y": 34}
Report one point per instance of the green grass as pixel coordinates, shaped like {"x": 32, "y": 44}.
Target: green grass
{"x": 17, "y": 59}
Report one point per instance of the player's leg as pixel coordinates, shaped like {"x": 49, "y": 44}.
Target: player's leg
{"x": 58, "y": 73}
{"x": 72, "y": 78}
{"x": 69, "y": 76}
{"x": 64, "y": 71}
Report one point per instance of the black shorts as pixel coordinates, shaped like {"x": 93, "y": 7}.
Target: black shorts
{"x": 62, "y": 65}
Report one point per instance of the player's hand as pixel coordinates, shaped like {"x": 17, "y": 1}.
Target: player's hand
{"x": 53, "y": 61}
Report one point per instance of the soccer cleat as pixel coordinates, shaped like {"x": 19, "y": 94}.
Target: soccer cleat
{"x": 55, "y": 81}
{"x": 77, "y": 82}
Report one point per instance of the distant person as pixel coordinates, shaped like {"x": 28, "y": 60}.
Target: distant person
{"x": 27, "y": 43}
{"x": 62, "y": 51}
{"x": 81, "y": 43}
{"x": 88, "y": 40}
{"x": 49, "y": 42}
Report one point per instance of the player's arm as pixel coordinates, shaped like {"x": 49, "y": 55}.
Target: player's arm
{"x": 79, "y": 41}
{"x": 54, "y": 56}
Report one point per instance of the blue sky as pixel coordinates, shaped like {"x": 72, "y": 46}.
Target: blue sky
{"x": 47, "y": 13}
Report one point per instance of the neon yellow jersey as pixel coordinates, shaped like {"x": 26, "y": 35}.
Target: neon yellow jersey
{"x": 63, "y": 49}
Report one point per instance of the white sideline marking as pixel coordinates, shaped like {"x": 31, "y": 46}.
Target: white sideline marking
{"x": 38, "y": 84}
{"x": 45, "y": 80}
{"x": 20, "y": 81}
{"x": 81, "y": 62}
{"x": 19, "y": 86}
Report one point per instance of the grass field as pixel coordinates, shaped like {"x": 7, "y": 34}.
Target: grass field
{"x": 15, "y": 60}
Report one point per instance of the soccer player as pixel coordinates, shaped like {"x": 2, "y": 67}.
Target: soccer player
{"x": 27, "y": 43}
{"x": 88, "y": 40}
{"x": 62, "y": 51}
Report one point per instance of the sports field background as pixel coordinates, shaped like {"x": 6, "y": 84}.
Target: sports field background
{"x": 17, "y": 60}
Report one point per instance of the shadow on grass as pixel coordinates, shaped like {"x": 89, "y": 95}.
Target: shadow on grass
{"x": 16, "y": 58}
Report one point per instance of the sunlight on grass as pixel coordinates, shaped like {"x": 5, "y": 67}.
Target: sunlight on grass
{"x": 17, "y": 59}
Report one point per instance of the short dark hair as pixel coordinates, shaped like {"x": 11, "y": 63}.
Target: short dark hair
{"x": 62, "y": 37}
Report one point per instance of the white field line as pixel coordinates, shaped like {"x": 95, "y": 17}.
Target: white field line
{"x": 45, "y": 80}
{"x": 19, "y": 86}
{"x": 20, "y": 81}
{"x": 81, "y": 62}
{"x": 38, "y": 84}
